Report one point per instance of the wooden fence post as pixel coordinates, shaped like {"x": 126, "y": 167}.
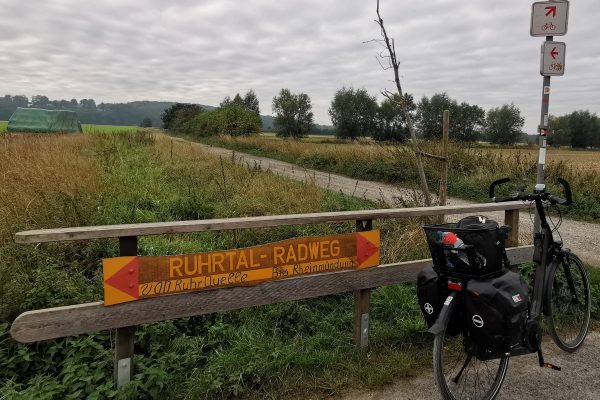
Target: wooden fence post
{"x": 362, "y": 300}
{"x": 124, "y": 340}
{"x": 443, "y": 193}
{"x": 511, "y": 217}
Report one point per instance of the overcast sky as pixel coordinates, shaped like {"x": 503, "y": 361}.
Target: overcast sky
{"x": 478, "y": 51}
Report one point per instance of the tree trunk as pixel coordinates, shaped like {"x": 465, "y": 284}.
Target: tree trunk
{"x": 395, "y": 65}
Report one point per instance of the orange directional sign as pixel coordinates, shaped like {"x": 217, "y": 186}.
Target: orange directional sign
{"x": 134, "y": 278}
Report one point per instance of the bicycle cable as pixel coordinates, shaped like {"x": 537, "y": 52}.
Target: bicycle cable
{"x": 556, "y": 226}
{"x": 530, "y": 215}
{"x": 560, "y": 220}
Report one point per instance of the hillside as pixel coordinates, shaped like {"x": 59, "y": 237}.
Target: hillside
{"x": 131, "y": 113}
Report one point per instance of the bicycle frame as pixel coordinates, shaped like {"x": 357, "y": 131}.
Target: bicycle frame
{"x": 543, "y": 254}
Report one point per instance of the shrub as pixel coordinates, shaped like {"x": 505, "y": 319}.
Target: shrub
{"x": 230, "y": 120}
{"x": 179, "y": 115}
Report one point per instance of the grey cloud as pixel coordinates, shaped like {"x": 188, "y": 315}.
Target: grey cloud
{"x": 476, "y": 51}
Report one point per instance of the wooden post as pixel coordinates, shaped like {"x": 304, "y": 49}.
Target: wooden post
{"x": 124, "y": 340}
{"x": 362, "y": 300}
{"x": 511, "y": 217}
{"x": 443, "y": 193}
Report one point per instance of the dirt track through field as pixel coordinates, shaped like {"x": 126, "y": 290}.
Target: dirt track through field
{"x": 582, "y": 237}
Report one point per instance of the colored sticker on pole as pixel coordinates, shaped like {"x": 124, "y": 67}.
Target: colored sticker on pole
{"x": 134, "y": 278}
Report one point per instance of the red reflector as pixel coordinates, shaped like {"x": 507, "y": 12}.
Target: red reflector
{"x": 455, "y": 286}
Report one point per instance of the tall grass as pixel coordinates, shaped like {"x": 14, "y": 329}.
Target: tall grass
{"x": 46, "y": 180}
{"x": 294, "y": 349}
{"x": 471, "y": 168}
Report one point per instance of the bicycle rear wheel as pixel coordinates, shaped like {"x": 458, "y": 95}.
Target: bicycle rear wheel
{"x": 568, "y": 302}
{"x": 460, "y": 375}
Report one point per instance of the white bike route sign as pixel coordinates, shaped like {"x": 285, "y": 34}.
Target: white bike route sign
{"x": 553, "y": 59}
{"x": 549, "y": 18}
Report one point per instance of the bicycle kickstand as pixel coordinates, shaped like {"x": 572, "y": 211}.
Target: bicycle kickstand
{"x": 545, "y": 364}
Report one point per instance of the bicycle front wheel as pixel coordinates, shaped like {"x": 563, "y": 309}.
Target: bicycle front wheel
{"x": 568, "y": 302}
{"x": 460, "y": 375}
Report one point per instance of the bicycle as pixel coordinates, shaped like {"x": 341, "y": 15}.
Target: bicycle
{"x": 560, "y": 292}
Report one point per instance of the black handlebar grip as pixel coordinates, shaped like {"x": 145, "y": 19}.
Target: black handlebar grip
{"x": 496, "y": 183}
{"x": 567, "y": 190}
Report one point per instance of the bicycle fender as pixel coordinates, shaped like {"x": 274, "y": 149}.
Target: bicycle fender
{"x": 442, "y": 321}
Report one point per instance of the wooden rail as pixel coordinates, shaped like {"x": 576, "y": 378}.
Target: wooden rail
{"x": 52, "y": 323}
{"x": 221, "y": 224}
{"x": 57, "y": 322}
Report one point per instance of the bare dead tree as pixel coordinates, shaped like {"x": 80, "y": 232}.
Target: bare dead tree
{"x": 390, "y": 61}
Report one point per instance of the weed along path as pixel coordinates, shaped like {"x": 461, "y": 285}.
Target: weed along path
{"x": 581, "y": 237}
{"x": 525, "y": 379}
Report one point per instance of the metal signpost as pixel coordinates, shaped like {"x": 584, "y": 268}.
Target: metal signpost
{"x": 549, "y": 19}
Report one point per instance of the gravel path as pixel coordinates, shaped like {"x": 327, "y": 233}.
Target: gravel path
{"x": 579, "y": 378}
{"x": 582, "y": 237}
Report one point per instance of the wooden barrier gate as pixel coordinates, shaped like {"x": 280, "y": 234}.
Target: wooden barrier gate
{"x": 57, "y": 322}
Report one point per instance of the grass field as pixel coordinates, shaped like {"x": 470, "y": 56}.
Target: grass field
{"x": 471, "y": 168}
{"x": 586, "y": 160}
{"x": 291, "y": 350}
{"x": 89, "y": 128}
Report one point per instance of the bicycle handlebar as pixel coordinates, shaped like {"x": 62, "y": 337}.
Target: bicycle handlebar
{"x": 497, "y": 183}
{"x": 544, "y": 196}
{"x": 567, "y": 191}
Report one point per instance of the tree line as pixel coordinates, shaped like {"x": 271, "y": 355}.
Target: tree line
{"x": 354, "y": 114}
{"x": 579, "y": 129}
{"x": 145, "y": 113}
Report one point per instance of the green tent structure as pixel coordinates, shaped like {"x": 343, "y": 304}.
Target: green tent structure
{"x": 37, "y": 120}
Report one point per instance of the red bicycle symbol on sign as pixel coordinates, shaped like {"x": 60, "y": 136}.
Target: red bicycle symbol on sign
{"x": 548, "y": 26}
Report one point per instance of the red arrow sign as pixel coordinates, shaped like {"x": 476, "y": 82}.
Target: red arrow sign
{"x": 554, "y": 53}
{"x": 365, "y": 248}
{"x": 123, "y": 284}
{"x": 551, "y": 10}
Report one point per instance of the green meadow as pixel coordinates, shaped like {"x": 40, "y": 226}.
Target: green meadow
{"x": 89, "y": 128}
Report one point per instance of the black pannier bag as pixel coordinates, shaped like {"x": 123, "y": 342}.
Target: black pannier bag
{"x": 496, "y": 311}
{"x": 472, "y": 247}
{"x": 432, "y": 291}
